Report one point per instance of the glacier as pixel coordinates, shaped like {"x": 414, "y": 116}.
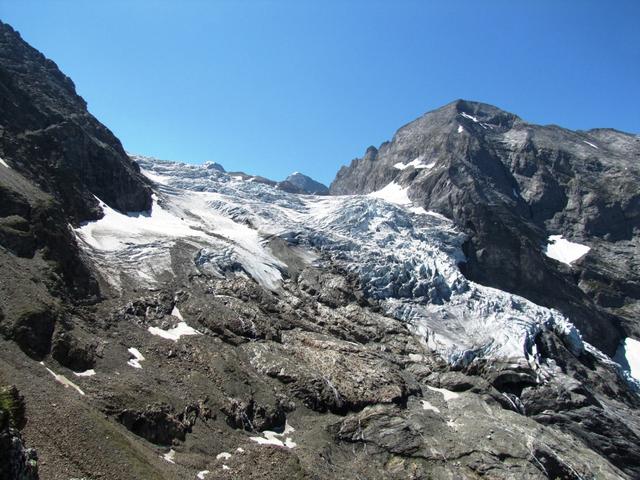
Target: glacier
{"x": 404, "y": 257}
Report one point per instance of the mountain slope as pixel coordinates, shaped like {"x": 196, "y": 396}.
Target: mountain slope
{"x": 55, "y": 159}
{"x": 49, "y": 136}
{"x": 510, "y": 185}
{"x": 206, "y": 324}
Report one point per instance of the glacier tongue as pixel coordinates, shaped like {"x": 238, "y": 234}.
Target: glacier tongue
{"x": 404, "y": 257}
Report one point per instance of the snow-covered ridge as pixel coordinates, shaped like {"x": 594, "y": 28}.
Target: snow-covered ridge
{"x": 405, "y": 257}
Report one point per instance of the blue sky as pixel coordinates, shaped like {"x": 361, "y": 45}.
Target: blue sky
{"x": 270, "y": 87}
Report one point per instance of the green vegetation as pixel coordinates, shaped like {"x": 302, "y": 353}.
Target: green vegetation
{"x": 11, "y": 408}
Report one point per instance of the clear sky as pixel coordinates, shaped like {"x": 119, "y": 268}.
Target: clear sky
{"x": 270, "y": 87}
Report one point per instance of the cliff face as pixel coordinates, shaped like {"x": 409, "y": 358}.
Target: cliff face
{"x": 56, "y": 158}
{"x": 47, "y": 134}
{"x": 16, "y": 461}
{"x": 510, "y": 185}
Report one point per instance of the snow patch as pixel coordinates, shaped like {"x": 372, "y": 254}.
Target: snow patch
{"x": 563, "y": 250}
{"x": 142, "y": 237}
{"x": 417, "y": 163}
{"x": 176, "y": 313}
{"x": 629, "y": 353}
{"x": 115, "y": 231}
{"x": 202, "y": 473}
{"x": 170, "y": 456}
{"x": 180, "y": 330}
{"x": 86, "y": 373}
{"x": 137, "y": 358}
{"x": 447, "y": 394}
{"x": 591, "y": 144}
{"x": 61, "y": 379}
{"x": 460, "y": 129}
{"x": 427, "y": 406}
{"x": 393, "y": 193}
{"x": 470, "y": 117}
{"x": 277, "y": 439}
{"x": 223, "y": 456}
{"x": 4, "y": 164}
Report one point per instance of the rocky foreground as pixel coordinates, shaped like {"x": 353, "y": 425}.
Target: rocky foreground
{"x": 167, "y": 321}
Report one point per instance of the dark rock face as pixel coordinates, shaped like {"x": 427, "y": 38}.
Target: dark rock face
{"x": 159, "y": 423}
{"x": 47, "y": 134}
{"x": 255, "y": 416}
{"x": 33, "y": 330}
{"x": 510, "y": 185}
{"x": 58, "y": 157}
{"x": 17, "y": 462}
{"x": 72, "y": 352}
{"x": 307, "y": 184}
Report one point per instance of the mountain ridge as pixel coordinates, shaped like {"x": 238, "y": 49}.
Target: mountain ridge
{"x": 192, "y": 322}
{"x": 485, "y": 160}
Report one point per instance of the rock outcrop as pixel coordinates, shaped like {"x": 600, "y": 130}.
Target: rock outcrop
{"x": 510, "y": 185}
{"x": 17, "y": 462}
{"x": 48, "y": 135}
{"x": 307, "y": 184}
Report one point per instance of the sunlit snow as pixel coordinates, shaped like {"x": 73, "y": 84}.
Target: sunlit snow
{"x": 137, "y": 358}
{"x": 629, "y": 353}
{"x": 190, "y": 216}
{"x": 176, "y": 313}
{"x": 63, "y": 380}
{"x": 180, "y": 330}
{"x": 3, "y": 163}
{"x": 393, "y": 193}
{"x": 427, "y": 406}
{"x": 87, "y": 373}
{"x": 407, "y": 262}
{"x": 417, "y": 163}
{"x": 591, "y": 144}
{"x": 460, "y": 129}
{"x": 277, "y": 439}
{"x": 564, "y": 251}
{"x": 170, "y": 456}
{"x": 470, "y": 117}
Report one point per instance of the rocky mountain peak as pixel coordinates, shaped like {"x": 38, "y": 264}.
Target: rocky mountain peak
{"x": 65, "y": 150}
{"x": 214, "y": 166}
{"x": 307, "y": 184}
{"x": 511, "y": 185}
